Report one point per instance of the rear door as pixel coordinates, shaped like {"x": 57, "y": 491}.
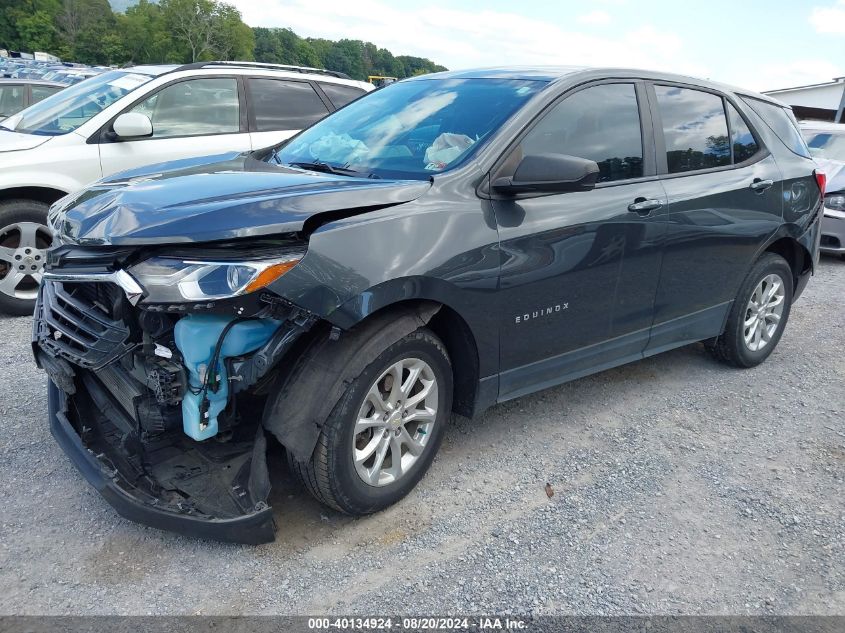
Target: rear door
{"x": 12, "y": 99}
{"x": 38, "y": 93}
{"x": 580, "y": 269}
{"x": 725, "y": 199}
{"x": 279, "y": 108}
{"x": 199, "y": 116}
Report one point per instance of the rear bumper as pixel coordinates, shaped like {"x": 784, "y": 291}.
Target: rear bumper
{"x": 833, "y": 232}
{"x": 253, "y": 528}
{"x": 809, "y": 240}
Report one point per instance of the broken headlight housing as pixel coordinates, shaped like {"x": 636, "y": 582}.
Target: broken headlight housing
{"x": 175, "y": 279}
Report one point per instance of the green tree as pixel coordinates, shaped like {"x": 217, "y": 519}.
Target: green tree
{"x": 306, "y": 54}
{"x": 145, "y": 34}
{"x": 28, "y": 25}
{"x": 178, "y": 31}
{"x": 267, "y": 46}
{"x": 37, "y": 31}
{"x": 84, "y": 28}
{"x": 283, "y": 46}
{"x": 234, "y": 39}
{"x": 191, "y": 23}
{"x": 207, "y": 29}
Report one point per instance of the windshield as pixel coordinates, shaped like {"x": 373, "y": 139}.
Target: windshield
{"x": 67, "y": 110}
{"x": 410, "y": 129}
{"x": 826, "y": 144}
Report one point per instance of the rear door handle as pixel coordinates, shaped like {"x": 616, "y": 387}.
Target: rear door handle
{"x": 644, "y": 206}
{"x": 761, "y": 185}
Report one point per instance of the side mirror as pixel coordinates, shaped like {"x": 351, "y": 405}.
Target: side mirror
{"x": 550, "y": 173}
{"x": 132, "y": 125}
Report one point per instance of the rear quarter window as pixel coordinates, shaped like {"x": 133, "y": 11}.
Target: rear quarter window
{"x": 340, "y": 95}
{"x": 782, "y": 123}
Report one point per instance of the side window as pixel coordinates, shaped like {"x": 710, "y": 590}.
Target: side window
{"x": 601, "y": 123}
{"x": 284, "y": 105}
{"x": 782, "y": 122}
{"x": 193, "y": 108}
{"x": 11, "y": 100}
{"x": 742, "y": 140}
{"x": 340, "y": 95}
{"x": 42, "y": 92}
{"x": 694, "y": 127}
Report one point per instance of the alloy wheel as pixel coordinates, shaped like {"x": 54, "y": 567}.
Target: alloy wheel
{"x": 23, "y": 248}
{"x": 395, "y": 421}
{"x": 763, "y": 312}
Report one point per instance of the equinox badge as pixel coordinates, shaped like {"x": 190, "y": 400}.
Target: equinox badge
{"x": 536, "y": 314}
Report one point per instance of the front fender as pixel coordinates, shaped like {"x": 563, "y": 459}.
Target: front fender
{"x": 305, "y": 396}
{"x": 59, "y": 166}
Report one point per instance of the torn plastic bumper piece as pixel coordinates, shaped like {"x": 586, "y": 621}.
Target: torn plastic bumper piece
{"x": 156, "y": 502}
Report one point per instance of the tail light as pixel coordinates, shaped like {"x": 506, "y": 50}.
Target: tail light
{"x": 821, "y": 180}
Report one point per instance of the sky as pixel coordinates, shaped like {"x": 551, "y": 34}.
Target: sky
{"x": 755, "y": 44}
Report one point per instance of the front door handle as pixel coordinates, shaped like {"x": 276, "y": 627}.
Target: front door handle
{"x": 761, "y": 185}
{"x": 643, "y": 206}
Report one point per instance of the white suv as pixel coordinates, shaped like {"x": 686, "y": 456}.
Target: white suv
{"x": 132, "y": 117}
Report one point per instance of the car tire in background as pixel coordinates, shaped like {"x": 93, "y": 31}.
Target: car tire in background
{"x": 758, "y": 315}
{"x": 24, "y": 239}
{"x": 382, "y": 435}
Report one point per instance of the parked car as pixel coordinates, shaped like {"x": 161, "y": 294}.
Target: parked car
{"x": 442, "y": 244}
{"x": 15, "y": 95}
{"x": 827, "y": 145}
{"x": 73, "y": 76}
{"x": 123, "y": 119}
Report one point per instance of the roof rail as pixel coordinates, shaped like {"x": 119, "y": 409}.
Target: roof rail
{"x": 292, "y": 69}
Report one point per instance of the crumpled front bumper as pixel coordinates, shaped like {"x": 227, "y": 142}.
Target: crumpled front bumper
{"x": 136, "y": 504}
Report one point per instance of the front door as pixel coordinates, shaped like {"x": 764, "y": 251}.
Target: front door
{"x": 579, "y": 270}
{"x": 193, "y": 117}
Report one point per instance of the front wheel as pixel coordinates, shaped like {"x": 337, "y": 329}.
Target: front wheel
{"x": 758, "y": 315}
{"x": 382, "y": 435}
{"x": 24, "y": 239}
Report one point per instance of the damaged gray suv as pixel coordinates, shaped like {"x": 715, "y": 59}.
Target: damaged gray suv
{"x": 440, "y": 245}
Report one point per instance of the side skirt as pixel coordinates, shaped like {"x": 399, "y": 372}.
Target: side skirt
{"x": 621, "y": 350}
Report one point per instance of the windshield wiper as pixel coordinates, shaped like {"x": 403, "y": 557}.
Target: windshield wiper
{"x": 332, "y": 169}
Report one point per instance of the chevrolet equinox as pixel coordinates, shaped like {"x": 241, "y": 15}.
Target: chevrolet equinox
{"x": 440, "y": 245}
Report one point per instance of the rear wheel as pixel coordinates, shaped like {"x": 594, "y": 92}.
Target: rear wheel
{"x": 382, "y": 436}
{"x": 24, "y": 239}
{"x": 758, "y": 315}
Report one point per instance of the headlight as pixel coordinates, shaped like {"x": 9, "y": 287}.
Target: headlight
{"x": 173, "y": 280}
{"x": 835, "y": 201}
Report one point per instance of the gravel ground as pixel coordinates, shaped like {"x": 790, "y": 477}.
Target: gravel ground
{"x": 681, "y": 486}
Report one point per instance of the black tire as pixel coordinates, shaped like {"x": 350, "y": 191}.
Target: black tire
{"x": 731, "y": 348}
{"x": 11, "y": 213}
{"x": 330, "y": 475}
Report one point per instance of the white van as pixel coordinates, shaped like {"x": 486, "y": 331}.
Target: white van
{"x": 132, "y": 117}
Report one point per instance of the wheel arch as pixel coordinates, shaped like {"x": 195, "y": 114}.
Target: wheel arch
{"x": 800, "y": 260}
{"x": 450, "y": 322}
{"x": 47, "y": 195}
{"x": 454, "y": 330}
{"x": 328, "y": 356}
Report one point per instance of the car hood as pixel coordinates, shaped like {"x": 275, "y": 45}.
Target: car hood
{"x": 13, "y": 141}
{"x": 216, "y": 198}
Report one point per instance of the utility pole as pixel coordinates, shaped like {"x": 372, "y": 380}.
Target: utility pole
{"x": 841, "y": 107}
